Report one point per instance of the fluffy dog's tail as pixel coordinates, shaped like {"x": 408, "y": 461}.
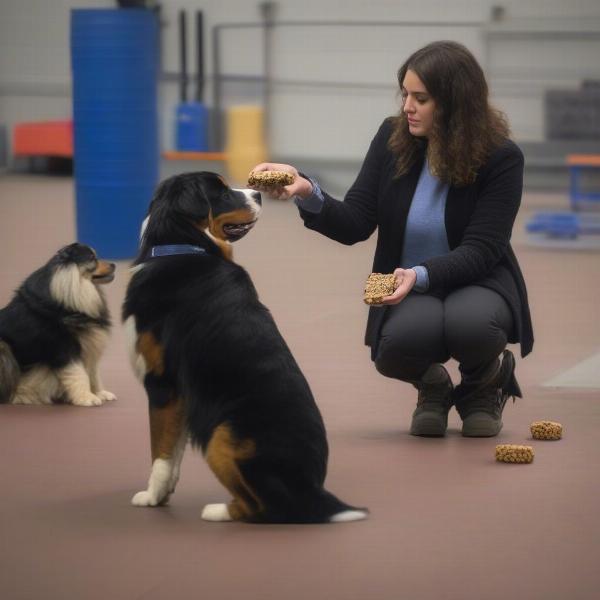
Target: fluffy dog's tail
{"x": 9, "y": 373}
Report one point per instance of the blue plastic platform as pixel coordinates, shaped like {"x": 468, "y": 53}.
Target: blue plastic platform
{"x": 566, "y": 230}
{"x": 564, "y": 224}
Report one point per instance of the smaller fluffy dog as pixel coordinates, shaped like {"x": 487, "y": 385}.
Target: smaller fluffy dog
{"x": 54, "y": 330}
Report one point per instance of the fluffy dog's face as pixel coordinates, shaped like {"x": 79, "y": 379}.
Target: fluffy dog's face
{"x": 82, "y": 259}
{"x": 74, "y": 272}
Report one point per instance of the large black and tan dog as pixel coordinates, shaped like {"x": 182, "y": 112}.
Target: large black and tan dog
{"x": 54, "y": 330}
{"x": 215, "y": 366}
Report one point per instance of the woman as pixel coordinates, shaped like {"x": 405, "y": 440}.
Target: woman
{"x": 442, "y": 183}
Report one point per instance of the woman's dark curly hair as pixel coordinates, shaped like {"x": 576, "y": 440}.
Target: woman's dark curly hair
{"x": 465, "y": 127}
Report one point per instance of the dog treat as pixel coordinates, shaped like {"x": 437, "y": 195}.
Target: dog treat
{"x": 512, "y": 453}
{"x": 378, "y": 286}
{"x": 270, "y": 179}
{"x": 546, "y": 430}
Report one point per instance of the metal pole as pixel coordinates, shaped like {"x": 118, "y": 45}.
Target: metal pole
{"x": 267, "y": 10}
{"x": 183, "y": 57}
{"x": 216, "y": 121}
{"x": 200, "y": 56}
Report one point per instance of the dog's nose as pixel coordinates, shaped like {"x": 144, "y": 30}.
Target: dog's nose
{"x": 256, "y": 197}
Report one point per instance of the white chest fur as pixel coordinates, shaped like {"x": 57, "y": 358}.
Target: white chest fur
{"x": 137, "y": 360}
{"x": 93, "y": 342}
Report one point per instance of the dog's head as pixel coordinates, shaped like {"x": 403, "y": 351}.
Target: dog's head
{"x": 82, "y": 260}
{"x": 70, "y": 279}
{"x": 192, "y": 207}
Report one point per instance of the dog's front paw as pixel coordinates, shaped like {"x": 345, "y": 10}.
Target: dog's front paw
{"x": 87, "y": 400}
{"x": 216, "y": 512}
{"x": 23, "y": 399}
{"x": 106, "y": 396}
{"x": 147, "y": 498}
{"x": 144, "y": 498}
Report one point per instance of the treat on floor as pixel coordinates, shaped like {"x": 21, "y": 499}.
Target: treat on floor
{"x": 513, "y": 453}
{"x": 378, "y": 286}
{"x": 546, "y": 430}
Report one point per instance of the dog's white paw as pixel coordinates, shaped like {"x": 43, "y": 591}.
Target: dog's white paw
{"x": 23, "y": 399}
{"x": 216, "y": 512}
{"x": 87, "y": 400}
{"x": 106, "y": 396}
{"x": 144, "y": 498}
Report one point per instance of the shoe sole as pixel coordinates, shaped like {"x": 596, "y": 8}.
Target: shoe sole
{"x": 481, "y": 429}
{"x": 428, "y": 428}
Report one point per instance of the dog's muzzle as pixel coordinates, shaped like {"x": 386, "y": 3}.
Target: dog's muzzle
{"x": 236, "y": 231}
{"x": 105, "y": 274}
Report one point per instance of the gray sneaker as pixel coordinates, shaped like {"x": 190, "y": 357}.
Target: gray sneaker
{"x": 480, "y": 403}
{"x": 430, "y": 418}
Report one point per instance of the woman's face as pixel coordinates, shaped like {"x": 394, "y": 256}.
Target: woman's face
{"x": 417, "y": 104}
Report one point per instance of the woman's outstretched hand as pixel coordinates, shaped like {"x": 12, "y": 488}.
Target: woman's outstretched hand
{"x": 300, "y": 187}
{"x": 406, "y": 279}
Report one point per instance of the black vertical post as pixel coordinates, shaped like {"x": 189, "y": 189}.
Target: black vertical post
{"x": 216, "y": 121}
{"x": 267, "y": 10}
{"x": 183, "y": 79}
{"x": 199, "y": 56}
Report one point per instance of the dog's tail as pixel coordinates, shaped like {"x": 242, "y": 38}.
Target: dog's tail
{"x": 9, "y": 373}
{"x": 333, "y": 510}
{"x": 312, "y": 506}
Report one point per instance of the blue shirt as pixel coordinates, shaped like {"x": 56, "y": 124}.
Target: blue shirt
{"x": 425, "y": 235}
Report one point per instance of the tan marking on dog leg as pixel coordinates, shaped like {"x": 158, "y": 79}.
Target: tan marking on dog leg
{"x": 166, "y": 427}
{"x": 167, "y": 440}
{"x": 223, "y": 455}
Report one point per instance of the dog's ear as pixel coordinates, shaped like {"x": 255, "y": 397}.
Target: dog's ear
{"x": 178, "y": 205}
{"x": 182, "y": 195}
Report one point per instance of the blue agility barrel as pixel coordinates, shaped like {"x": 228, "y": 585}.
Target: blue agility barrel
{"x": 114, "y": 60}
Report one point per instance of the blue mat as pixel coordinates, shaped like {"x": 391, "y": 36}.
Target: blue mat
{"x": 569, "y": 230}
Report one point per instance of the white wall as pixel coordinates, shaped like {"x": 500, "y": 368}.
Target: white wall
{"x": 558, "y": 46}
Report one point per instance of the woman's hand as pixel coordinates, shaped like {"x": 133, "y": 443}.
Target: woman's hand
{"x": 406, "y": 279}
{"x": 301, "y": 187}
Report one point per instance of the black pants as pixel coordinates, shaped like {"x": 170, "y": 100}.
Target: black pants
{"x": 471, "y": 325}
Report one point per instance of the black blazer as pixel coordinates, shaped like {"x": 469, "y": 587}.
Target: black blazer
{"x": 479, "y": 219}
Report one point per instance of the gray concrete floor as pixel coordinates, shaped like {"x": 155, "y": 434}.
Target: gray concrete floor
{"x": 447, "y": 521}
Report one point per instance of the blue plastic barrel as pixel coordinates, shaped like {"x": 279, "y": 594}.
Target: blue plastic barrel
{"x": 191, "y": 127}
{"x": 114, "y": 61}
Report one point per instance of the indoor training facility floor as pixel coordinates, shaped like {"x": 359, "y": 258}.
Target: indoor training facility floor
{"x": 447, "y": 521}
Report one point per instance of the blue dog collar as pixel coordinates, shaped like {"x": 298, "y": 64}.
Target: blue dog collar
{"x": 173, "y": 249}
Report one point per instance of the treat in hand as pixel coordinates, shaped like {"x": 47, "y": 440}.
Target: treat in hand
{"x": 378, "y": 286}
{"x": 270, "y": 179}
